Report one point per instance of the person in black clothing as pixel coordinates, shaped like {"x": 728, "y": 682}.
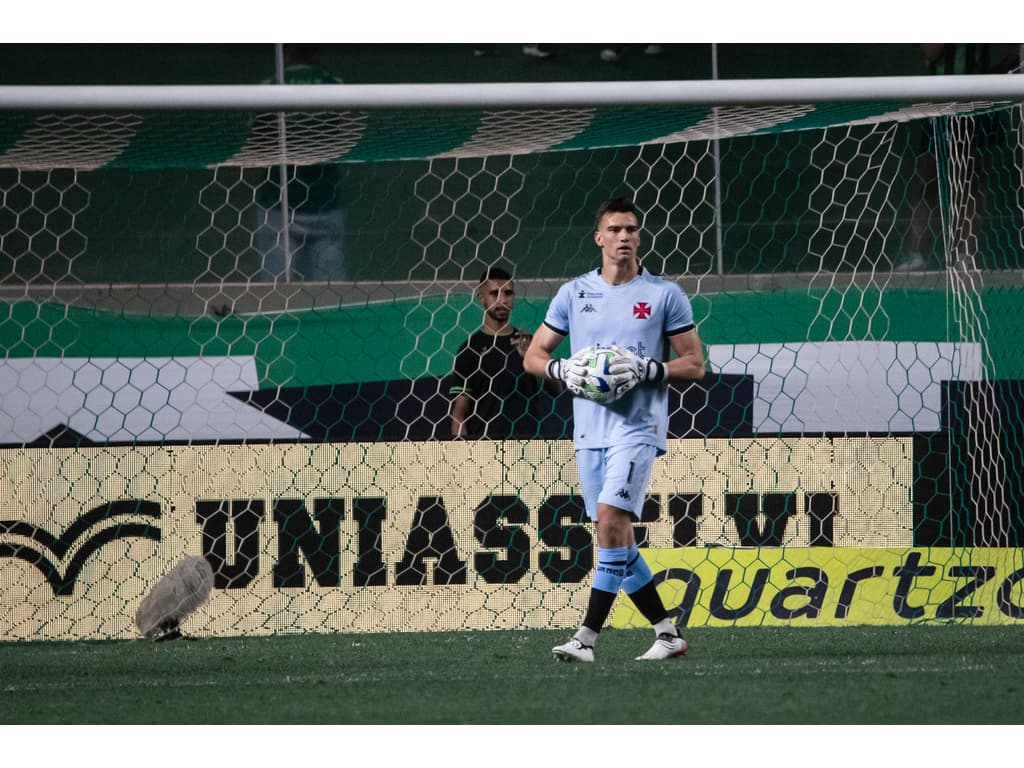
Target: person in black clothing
{"x": 492, "y": 396}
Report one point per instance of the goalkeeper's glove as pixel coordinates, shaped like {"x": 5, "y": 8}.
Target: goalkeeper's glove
{"x": 644, "y": 368}
{"x": 573, "y": 371}
{"x": 618, "y": 384}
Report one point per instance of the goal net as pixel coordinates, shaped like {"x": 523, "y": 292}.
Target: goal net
{"x": 230, "y": 333}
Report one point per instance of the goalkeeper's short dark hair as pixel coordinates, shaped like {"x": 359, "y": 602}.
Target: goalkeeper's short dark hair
{"x": 494, "y": 273}
{"x": 617, "y": 205}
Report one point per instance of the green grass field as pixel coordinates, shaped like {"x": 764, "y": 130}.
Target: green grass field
{"x": 851, "y": 675}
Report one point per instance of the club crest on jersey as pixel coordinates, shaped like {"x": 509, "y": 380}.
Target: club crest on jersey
{"x": 641, "y": 310}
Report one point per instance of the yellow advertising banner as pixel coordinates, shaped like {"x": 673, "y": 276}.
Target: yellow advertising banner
{"x": 824, "y": 586}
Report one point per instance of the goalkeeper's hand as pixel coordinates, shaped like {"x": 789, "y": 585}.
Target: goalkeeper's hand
{"x": 643, "y": 368}
{"x": 619, "y": 382}
{"x": 573, "y": 371}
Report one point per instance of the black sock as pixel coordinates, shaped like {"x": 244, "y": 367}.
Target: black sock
{"x": 598, "y": 608}
{"x": 648, "y": 602}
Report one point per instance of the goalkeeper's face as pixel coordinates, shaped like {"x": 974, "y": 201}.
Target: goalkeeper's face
{"x": 618, "y": 237}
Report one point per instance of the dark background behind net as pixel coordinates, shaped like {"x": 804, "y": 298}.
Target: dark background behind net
{"x": 179, "y": 226}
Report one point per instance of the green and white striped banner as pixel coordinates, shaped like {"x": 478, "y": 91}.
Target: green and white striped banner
{"x": 207, "y": 139}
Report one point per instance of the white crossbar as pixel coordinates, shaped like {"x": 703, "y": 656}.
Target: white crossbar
{"x": 513, "y": 95}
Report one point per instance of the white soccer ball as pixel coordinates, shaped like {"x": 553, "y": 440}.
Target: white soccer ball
{"x": 598, "y": 384}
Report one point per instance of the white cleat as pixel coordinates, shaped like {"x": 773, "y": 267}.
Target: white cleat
{"x": 573, "y": 650}
{"x": 665, "y": 647}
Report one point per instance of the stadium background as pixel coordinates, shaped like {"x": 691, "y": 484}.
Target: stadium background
{"x": 142, "y": 226}
{"x": 376, "y": 196}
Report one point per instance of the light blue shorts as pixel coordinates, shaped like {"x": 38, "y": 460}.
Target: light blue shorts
{"x": 617, "y": 476}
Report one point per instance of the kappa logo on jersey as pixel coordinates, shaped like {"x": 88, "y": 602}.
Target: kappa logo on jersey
{"x": 641, "y": 310}
{"x": 588, "y": 308}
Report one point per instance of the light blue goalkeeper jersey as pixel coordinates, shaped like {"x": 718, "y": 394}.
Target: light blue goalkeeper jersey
{"x": 640, "y": 315}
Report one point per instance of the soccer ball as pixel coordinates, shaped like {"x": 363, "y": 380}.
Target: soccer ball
{"x": 598, "y": 384}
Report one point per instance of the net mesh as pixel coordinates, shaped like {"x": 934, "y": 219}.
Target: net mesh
{"x": 183, "y": 374}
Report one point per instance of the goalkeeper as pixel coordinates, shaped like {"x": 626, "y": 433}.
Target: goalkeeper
{"x": 619, "y": 422}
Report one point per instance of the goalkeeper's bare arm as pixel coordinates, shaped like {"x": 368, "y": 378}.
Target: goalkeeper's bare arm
{"x": 539, "y": 354}
{"x": 688, "y": 364}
